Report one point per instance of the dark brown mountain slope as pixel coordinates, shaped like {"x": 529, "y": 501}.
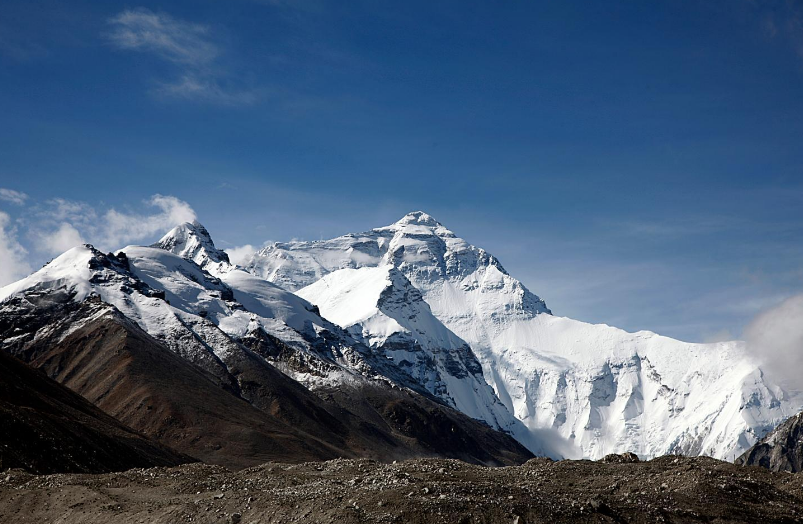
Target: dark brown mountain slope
{"x": 46, "y": 428}
{"x": 256, "y": 415}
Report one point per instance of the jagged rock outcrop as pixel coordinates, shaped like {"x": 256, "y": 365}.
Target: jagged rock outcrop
{"x": 780, "y": 450}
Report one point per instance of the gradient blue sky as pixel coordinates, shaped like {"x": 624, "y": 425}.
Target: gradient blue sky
{"x": 634, "y": 163}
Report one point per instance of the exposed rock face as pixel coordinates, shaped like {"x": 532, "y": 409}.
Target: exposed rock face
{"x": 780, "y": 450}
{"x": 47, "y": 428}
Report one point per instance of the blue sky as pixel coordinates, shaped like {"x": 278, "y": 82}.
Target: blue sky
{"x": 633, "y": 163}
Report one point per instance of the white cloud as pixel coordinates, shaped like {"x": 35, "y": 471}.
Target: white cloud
{"x": 58, "y": 241}
{"x": 15, "y": 197}
{"x": 121, "y": 227}
{"x": 775, "y": 337}
{"x": 186, "y": 45}
{"x": 241, "y": 255}
{"x": 62, "y": 224}
{"x": 13, "y": 261}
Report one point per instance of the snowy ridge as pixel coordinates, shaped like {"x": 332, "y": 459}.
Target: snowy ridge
{"x": 382, "y": 308}
{"x": 199, "y": 316}
{"x": 602, "y": 389}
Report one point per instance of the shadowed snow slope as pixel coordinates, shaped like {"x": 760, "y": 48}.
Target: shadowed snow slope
{"x": 602, "y": 389}
{"x": 382, "y": 308}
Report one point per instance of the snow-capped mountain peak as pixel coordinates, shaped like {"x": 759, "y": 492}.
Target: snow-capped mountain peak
{"x": 192, "y": 241}
{"x": 418, "y": 218}
{"x": 382, "y": 308}
{"x": 602, "y": 389}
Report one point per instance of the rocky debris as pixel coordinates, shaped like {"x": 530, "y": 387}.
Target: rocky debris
{"x": 780, "y": 450}
{"x": 667, "y": 489}
{"x": 624, "y": 458}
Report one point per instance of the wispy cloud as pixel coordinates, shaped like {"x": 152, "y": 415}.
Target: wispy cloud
{"x": 61, "y": 224}
{"x": 188, "y": 46}
{"x": 14, "y": 263}
{"x": 171, "y": 39}
{"x": 785, "y": 20}
{"x": 194, "y": 87}
{"x": 15, "y": 197}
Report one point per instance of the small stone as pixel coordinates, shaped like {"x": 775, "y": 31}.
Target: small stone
{"x": 218, "y": 495}
{"x": 235, "y": 518}
{"x": 442, "y": 496}
{"x": 426, "y": 491}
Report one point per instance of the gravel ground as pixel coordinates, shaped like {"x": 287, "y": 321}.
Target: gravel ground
{"x": 667, "y": 489}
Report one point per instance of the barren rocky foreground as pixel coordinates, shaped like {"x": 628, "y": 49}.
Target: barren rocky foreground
{"x": 667, "y": 489}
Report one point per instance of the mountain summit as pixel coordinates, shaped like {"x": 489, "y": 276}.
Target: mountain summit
{"x": 418, "y": 218}
{"x": 192, "y": 241}
{"x": 601, "y": 389}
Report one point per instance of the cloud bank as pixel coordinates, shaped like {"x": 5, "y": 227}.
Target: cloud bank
{"x": 52, "y": 227}
{"x": 775, "y": 337}
{"x": 241, "y": 255}
{"x": 13, "y": 257}
{"x": 61, "y": 224}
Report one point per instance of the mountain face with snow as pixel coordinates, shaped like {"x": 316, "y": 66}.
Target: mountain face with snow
{"x": 380, "y": 307}
{"x": 600, "y": 389}
{"x": 403, "y": 330}
{"x": 184, "y": 297}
